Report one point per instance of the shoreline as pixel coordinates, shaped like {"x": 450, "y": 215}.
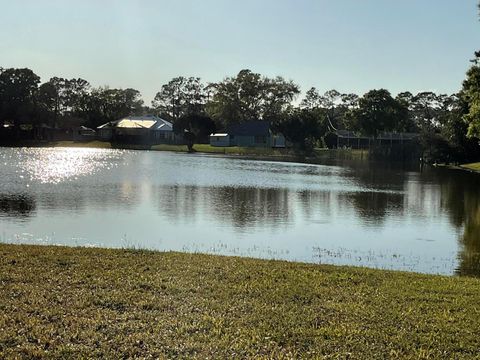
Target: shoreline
{"x": 273, "y": 154}
{"x": 88, "y": 302}
{"x": 473, "y": 168}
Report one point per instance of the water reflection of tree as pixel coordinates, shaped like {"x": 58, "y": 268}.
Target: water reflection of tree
{"x": 314, "y": 201}
{"x": 17, "y": 205}
{"x": 378, "y": 181}
{"x": 378, "y": 175}
{"x": 75, "y": 198}
{"x": 373, "y": 206}
{"x": 242, "y": 207}
{"x": 252, "y": 206}
{"x": 177, "y": 202}
{"x": 461, "y": 197}
{"x": 469, "y": 255}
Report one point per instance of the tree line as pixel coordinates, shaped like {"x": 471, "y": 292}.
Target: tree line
{"x": 448, "y": 124}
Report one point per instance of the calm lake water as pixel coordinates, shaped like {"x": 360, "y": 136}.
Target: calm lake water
{"x": 343, "y": 212}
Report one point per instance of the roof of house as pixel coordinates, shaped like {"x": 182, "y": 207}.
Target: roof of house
{"x": 140, "y": 122}
{"x": 250, "y": 128}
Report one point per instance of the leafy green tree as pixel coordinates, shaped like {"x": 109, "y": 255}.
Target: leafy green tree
{"x": 250, "y": 96}
{"x": 18, "y": 89}
{"x": 424, "y": 110}
{"x": 471, "y": 95}
{"x": 195, "y": 129}
{"x": 406, "y": 121}
{"x": 48, "y": 103}
{"x": 105, "y": 105}
{"x": 378, "y": 111}
{"x": 180, "y": 97}
{"x": 311, "y": 99}
{"x": 302, "y": 127}
{"x": 344, "y": 118}
{"x": 454, "y": 130}
{"x": 64, "y": 99}
{"x": 336, "y": 107}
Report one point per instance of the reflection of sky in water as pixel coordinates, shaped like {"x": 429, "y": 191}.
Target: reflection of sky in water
{"x": 353, "y": 213}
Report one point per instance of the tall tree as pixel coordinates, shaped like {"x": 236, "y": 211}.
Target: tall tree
{"x": 195, "y": 128}
{"x": 471, "y": 95}
{"x": 64, "y": 99}
{"x": 377, "y": 111}
{"x": 311, "y": 99}
{"x": 406, "y": 121}
{"x": 250, "y": 96}
{"x": 18, "y": 89}
{"x": 302, "y": 127}
{"x": 104, "y": 105}
{"x": 181, "y": 96}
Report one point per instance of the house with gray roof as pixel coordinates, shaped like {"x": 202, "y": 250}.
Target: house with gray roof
{"x": 147, "y": 129}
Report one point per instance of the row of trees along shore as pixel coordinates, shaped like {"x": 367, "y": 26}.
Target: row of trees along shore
{"x": 449, "y": 125}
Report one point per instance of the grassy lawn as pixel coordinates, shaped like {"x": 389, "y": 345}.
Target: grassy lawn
{"x": 60, "y": 302}
{"x": 232, "y": 150}
{"x": 275, "y": 153}
{"x": 89, "y": 144}
{"x": 472, "y": 166}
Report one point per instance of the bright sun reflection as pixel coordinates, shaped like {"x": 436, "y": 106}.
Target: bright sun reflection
{"x": 60, "y": 164}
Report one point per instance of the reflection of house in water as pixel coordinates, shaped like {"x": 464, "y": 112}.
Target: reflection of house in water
{"x": 148, "y": 130}
{"x": 241, "y": 207}
{"x": 249, "y": 134}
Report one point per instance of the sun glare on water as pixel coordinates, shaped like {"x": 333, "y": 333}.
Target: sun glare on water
{"x": 60, "y": 164}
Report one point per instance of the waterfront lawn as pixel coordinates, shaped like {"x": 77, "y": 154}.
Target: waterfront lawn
{"x": 232, "y": 150}
{"x": 472, "y": 166}
{"x": 82, "y": 144}
{"x": 81, "y": 302}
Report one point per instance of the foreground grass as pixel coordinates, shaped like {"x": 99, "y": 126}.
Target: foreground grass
{"x": 74, "y": 302}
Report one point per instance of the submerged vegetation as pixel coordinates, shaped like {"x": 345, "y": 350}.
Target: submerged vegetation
{"x": 78, "y": 302}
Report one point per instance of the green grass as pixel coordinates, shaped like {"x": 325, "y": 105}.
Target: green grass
{"x": 61, "y": 303}
{"x": 472, "y": 166}
{"x": 254, "y": 152}
{"x": 232, "y": 150}
{"x": 89, "y": 144}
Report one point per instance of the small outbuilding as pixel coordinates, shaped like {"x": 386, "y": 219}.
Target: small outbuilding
{"x": 255, "y": 133}
{"x": 222, "y": 140}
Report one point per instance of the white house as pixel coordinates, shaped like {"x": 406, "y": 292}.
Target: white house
{"x": 222, "y": 140}
{"x": 147, "y": 129}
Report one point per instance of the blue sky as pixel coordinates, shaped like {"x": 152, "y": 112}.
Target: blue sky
{"x": 349, "y": 45}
